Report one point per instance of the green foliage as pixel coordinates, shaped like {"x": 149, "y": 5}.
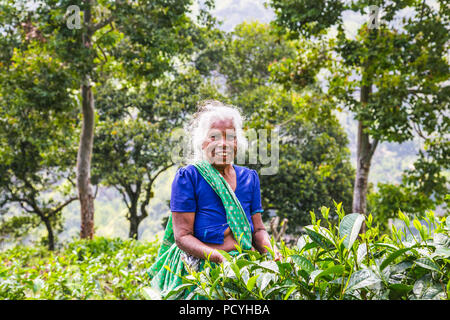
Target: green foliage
{"x": 393, "y": 78}
{"x": 390, "y": 198}
{"x": 332, "y": 263}
{"x": 307, "y": 17}
{"x": 83, "y": 269}
{"x": 322, "y": 265}
{"x": 37, "y": 145}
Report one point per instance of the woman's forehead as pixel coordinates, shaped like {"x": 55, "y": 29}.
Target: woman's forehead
{"x": 222, "y": 124}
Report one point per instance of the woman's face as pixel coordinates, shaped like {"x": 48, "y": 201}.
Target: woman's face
{"x": 220, "y": 144}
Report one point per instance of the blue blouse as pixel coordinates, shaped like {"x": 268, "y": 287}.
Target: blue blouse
{"x": 192, "y": 193}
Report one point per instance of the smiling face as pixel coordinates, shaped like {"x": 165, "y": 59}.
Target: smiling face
{"x": 220, "y": 144}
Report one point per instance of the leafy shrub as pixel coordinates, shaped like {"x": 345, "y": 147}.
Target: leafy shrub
{"x": 336, "y": 262}
{"x": 390, "y": 198}
{"x": 84, "y": 269}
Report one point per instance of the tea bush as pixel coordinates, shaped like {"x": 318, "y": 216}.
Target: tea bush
{"x": 334, "y": 262}
{"x": 84, "y": 269}
{"x": 331, "y": 260}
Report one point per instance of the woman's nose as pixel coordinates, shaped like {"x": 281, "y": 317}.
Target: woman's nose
{"x": 222, "y": 141}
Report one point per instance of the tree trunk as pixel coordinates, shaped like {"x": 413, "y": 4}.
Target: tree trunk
{"x": 364, "y": 153}
{"x": 85, "y": 192}
{"x": 51, "y": 237}
{"x": 134, "y": 225}
{"x": 133, "y": 216}
{"x": 363, "y": 159}
{"x": 134, "y": 219}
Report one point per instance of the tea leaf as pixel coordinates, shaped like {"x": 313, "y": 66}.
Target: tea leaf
{"x": 288, "y": 293}
{"x": 393, "y": 256}
{"x": 38, "y": 283}
{"x": 270, "y": 265}
{"x": 151, "y": 294}
{"x": 303, "y": 263}
{"x": 400, "y": 287}
{"x": 336, "y": 270}
{"x": 226, "y": 255}
{"x": 427, "y": 263}
{"x": 319, "y": 237}
{"x": 243, "y": 262}
{"x": 426, "y": 290}
{"x": 310, "y": 245}
{"x": 235, "y": 269}
{"x": 441, "y": 252}
{"x": 362, "y": 278}
{"x": 397, "y": 290}
{"x": 349, "y": 227}
{"x": 361, "y": 253}
{"x": 264, "y": 280}
{"x": 251, "y": 282}
{"x": 301, "y": 242}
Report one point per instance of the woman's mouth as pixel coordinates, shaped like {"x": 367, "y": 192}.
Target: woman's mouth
{"x": 222, "y": 153}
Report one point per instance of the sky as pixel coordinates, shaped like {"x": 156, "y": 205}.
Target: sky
{"x": 233, "y": 12}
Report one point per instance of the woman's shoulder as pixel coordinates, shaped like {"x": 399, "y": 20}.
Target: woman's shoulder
{"x": 187, "y": 168}
{"x": 185, "y": 177}
{"x": 188, "y": 171}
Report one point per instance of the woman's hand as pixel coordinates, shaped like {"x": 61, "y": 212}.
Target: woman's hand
{"x": 261, "y": 237}
{"x": 217, "y": 257}
{"x": 277, "y": 253}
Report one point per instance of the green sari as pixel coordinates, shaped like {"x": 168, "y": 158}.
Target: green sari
{"x": 170, "y": 255}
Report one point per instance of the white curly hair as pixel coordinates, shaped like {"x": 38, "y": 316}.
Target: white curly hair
{"x": 209, "y": 111}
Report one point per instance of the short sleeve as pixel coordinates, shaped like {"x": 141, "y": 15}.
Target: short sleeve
{"x": 256, "y": 206}
{"x": 182, "y": 198}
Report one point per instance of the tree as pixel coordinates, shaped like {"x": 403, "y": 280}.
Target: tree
{"x": 392, "y": 77}
{"x": 423, "y": 188}
{"x": 36, "y": 153}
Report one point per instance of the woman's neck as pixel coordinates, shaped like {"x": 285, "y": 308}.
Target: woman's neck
{"x": 224, "y": 169}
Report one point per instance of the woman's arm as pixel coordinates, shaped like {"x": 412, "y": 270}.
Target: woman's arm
{"x": 261, "y": 237}
{"x": 183, "y": 231}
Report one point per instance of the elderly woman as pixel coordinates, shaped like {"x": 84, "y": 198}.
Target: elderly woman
{"x": 215, "y": 204}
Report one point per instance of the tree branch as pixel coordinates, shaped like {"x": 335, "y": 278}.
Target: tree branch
{"x": 96, "y": 190}
{"x": 101, "y": 24}
{"x": 152, "y": 179}
{"x": 373, "y": 146}
{"x": 148, "y": 190}
{"x": 124, "y": 196}
{"x": 59, "y": 208}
